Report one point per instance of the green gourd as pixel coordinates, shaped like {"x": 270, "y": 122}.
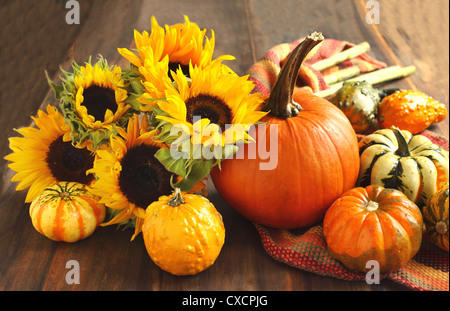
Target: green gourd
{"x": 359, "y": 101}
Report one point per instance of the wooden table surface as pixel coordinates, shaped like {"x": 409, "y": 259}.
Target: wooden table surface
{"x": 35, "y": 38}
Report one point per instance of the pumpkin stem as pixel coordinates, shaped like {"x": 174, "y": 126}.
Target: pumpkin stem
{"x": 64, "y": 194}
{"x": 372, "y": 206}
{"x": 176, "y": 199}
{"x": 403, "y": 149}
{"x": 280, "y": 102}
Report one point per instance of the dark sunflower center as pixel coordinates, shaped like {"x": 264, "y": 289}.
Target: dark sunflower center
{"x": 68, "y": 163}
{"x": 211, "y": 107}
{"x": 174, "y": 67}
{"x": 147, "y": 177}
{"x": 143, "y": 178}
{"x": 98, "y": 99}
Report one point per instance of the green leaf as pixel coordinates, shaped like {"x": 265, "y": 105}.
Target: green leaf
{"x": 137, "y": 87}
{"x": 198, "y": 170}
{"x": 57, "y": 89}
{"x": 176, "y": 166}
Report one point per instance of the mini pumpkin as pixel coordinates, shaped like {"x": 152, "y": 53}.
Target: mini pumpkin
{"x": 410, "y": 110}
{"x": 435, "y": 217}
{"x": 410, "y": 163}
{"x": 373, "y": 223}
{"x": 183, "y": 233}
{"x": 67, "y": 212}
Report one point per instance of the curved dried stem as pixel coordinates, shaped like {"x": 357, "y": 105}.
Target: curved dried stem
{"x": 280, "y": 102}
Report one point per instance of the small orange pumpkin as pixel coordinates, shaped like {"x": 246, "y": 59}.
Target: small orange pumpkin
{"x": 373, "y": 223}
{"x": 67, "y": 212}
{"x": 410, "y": 110}
{"x": 183, "y": 233}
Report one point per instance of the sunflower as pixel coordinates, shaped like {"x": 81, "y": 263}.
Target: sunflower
{"x": 129, "y": 177}
{"x": 164, "y": 50}
{"x": 219, "y": 107}
{"x": 93, "y": 102}
{"x": 45, "y": 155}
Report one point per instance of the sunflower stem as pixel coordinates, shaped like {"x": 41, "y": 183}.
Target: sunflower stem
{"x": 280, "y": 102}
{"x": 176, "y": 198}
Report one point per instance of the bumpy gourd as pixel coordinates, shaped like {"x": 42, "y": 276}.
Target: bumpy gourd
{"x": 183, "y": 233}
{"x": 410, "y": 110}
{"x": 359, "y": 101}
{"x": 66, "y": 212}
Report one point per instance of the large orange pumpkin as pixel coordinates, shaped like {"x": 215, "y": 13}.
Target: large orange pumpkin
{"x": 317, "y": 156}
{"x": 373, "y": 223}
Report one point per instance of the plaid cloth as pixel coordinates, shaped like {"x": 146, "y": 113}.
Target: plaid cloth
{"x": 264, "y": 72}
{"x": 306, "y": 248}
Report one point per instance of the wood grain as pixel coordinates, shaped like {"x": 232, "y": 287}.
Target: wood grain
{"x": 411, "y": 32}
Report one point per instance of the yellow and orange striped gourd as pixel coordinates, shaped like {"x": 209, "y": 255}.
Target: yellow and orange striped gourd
{"x": 67, "y": 212}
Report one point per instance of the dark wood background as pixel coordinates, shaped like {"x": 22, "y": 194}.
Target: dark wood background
{"x": 35, "y": 37}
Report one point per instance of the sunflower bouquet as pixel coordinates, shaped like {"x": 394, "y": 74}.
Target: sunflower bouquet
{"x": 135, "y": 134}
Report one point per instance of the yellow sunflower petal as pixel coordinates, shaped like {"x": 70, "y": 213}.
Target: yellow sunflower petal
{"x": 130, "y": 56}
{"x": 138, "y": 227}
{"x": 175, "y": 121}
{"x": 124, "y": 215}
{"x": 139, "y": 212}
{"x": 174, "y": 106}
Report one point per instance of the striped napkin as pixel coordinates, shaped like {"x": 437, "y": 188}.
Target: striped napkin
{"x": 264, "y": 72}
